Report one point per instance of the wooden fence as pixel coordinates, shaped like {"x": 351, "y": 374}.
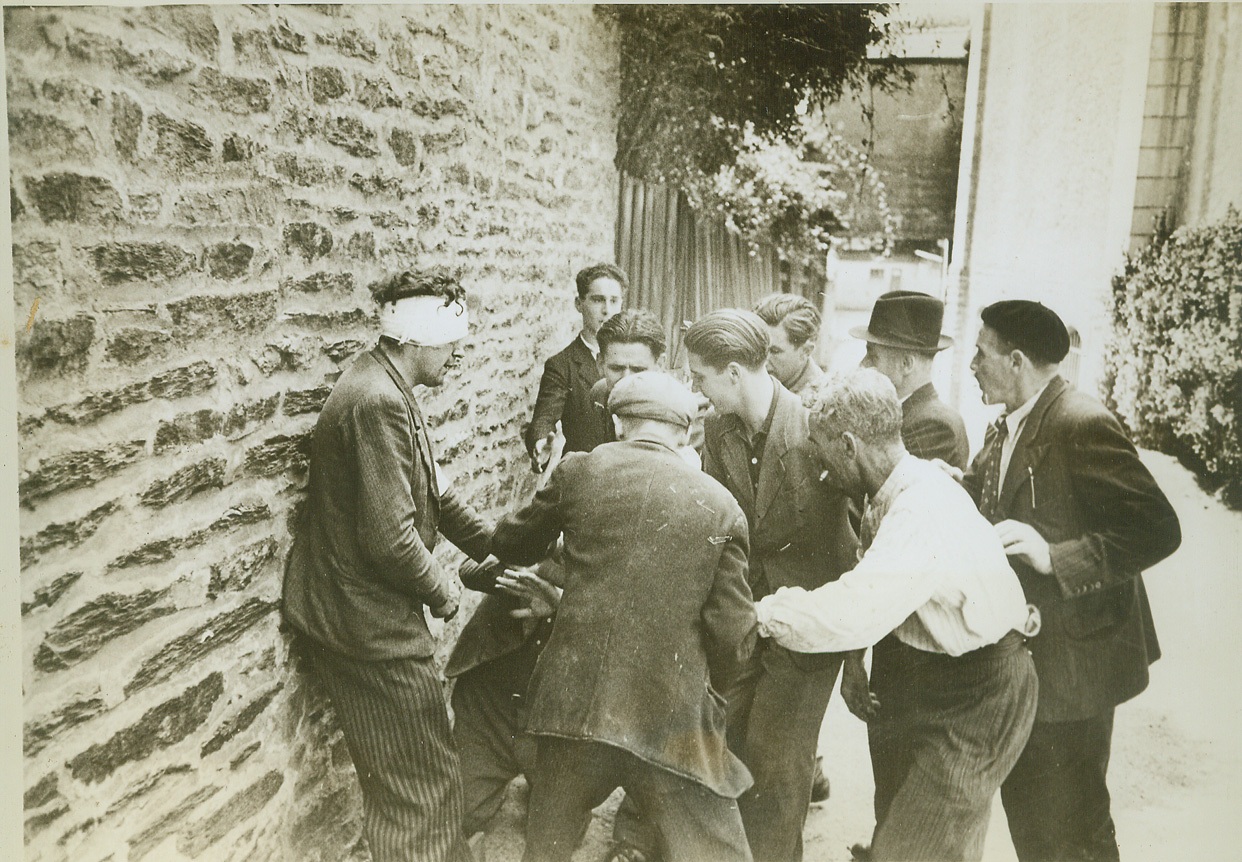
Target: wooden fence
{"x": 682, "y": 265}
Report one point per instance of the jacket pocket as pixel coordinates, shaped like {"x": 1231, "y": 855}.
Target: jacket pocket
{"x": 1100, "y": 613}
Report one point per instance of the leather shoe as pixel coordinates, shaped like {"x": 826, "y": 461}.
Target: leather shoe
{"x": 820, "y": 788}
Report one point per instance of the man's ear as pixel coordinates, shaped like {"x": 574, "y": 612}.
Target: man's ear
{"x": 616, "y": 424}
{"x": 851, "y": 444}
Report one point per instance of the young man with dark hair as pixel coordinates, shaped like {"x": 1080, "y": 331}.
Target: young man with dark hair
{"x": 361, "y": 574}
{"x": 793, "y": 330}
{"x": 1081, "y": 518}
{"x": 757, "y": 446}
{"x": 565, "y": 388}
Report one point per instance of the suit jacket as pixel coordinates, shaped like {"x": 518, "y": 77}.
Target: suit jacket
{"x": 810, "y": 375}
{"x": 361, "y": 571}
{"x": 1076, "y": 478}
{"x": 565, "y": 394}
{"x": 932, "y": 429}
{"x": 800, "y": 534}
{"x": 655, "y": 607}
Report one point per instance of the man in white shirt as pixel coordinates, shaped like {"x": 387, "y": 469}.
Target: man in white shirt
{"x": 961, "y": 690}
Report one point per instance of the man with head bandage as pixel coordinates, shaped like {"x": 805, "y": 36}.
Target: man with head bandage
{"x": 361, "y": 573}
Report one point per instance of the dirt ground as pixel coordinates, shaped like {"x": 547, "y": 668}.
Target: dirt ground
{"x": 1176, "y": 774}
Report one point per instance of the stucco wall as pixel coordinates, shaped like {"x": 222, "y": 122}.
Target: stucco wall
{"x": 1214, "y": 179}
{"x": 201, "y": 196}
{"x": 1061, "y": 117}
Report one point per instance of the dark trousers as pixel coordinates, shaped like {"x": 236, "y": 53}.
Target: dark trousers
{"x": 574, "y": 776}
{"x": 395, "y": 722}
{"x": 489, "y": 714}
{"x": 1056, "y": 797}
{"x": 949, "y": 731}
{"x": 776, "y": 707}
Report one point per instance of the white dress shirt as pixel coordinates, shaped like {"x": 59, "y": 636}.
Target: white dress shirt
{"x": 935, "y": 574}
{"x": 1015, "y": 420}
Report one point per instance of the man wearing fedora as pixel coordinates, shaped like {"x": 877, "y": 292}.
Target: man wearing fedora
{"x": 903, "y": 338}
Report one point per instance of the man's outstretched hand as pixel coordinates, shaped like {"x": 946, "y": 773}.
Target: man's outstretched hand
{"x": 856, "y": 688}
{"x": 540, "y": 597}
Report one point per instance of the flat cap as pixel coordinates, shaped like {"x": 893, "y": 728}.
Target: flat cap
{"x": 653, "y": 395}
{"x": 1029, "y": 326}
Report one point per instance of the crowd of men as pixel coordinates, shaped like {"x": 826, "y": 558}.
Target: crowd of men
{"x": 670, "y": 612}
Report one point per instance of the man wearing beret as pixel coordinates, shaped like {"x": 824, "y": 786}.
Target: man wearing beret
{"x": 361, "y": 574}
{"x": 655, "y": 616}
{"x": 1080, "y": 518}
{"x": 758, "y": 446}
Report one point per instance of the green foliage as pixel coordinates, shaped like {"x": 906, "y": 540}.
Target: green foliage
{"x": 1176, "y": 360}
{"x": 797, "y": 194}
{"x": 711, "y": 93}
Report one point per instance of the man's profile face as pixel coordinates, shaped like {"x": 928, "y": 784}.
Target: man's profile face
{"x": 619, "y": 360}
{"x": 784, "y": 360}
{"x": 721, "y": 386}
{"x": 436, "y": 362}
{"x": 601, "y": 301}
{"x": 993, "y": 368}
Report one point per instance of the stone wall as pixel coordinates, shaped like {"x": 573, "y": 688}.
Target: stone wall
{"x": 200, "y": 198}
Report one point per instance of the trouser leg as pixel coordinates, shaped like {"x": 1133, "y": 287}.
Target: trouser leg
{"x": 777, "y": 721}
{"x": 395, "y": 722}
{"x": 1056, "y": 798}
{"x": 694, "y": 824}
{"x": 966, "y": 737}
{"x": 570, "y": 778}
{"x": 488, "y": 723}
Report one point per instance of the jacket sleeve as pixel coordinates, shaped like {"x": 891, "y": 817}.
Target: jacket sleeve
{"x": 729, "y": 613}
{"x": 462, "y": 525}
{"x": 526, "y": 536}
{"x": 387, "y": 517}
{"x": 1129, "y": 523}
{"x": 550, "y": 402}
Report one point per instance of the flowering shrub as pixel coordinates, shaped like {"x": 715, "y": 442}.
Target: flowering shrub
{"x": 1176, "y": 361}
{"x": 796, "y": 192}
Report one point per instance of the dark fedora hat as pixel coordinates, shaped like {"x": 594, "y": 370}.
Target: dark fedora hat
{"x": 906, "y": 319}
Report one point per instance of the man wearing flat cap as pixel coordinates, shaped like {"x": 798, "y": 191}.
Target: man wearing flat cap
{"x": 655, "y": 616}
{"x": 1080, "y": 518}
{"x": 361, "y": 575}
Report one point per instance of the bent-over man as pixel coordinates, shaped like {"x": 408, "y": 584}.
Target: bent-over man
{"x": 654, "y": 616}
{"x": 361, "y": 575}
{"x": 962, "y": 688}
{"x": 496, "y": 651}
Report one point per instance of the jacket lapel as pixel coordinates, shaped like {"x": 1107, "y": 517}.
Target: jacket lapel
{"x": 772, "y": 470}
{"x": 421, "y": 444}
{"x": 733, "y": 457}
{"x": 1028, "y": 451}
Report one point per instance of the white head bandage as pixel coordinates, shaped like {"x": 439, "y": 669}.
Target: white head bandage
{"x": 424, "y": 320}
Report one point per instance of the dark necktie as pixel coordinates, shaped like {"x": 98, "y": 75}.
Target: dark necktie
{"x": 989, "y": 497}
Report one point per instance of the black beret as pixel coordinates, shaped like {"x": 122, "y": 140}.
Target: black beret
{"x": 1029, "y": 326}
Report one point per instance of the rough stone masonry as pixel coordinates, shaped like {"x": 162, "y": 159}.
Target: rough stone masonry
{"x": 200, "y": 197}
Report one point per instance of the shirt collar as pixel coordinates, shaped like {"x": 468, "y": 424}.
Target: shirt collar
{"x": 594, "y": 350}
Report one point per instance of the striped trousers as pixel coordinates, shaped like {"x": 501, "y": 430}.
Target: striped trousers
{"x": 396, "y": 724}
{"x": 949, "y": 731}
